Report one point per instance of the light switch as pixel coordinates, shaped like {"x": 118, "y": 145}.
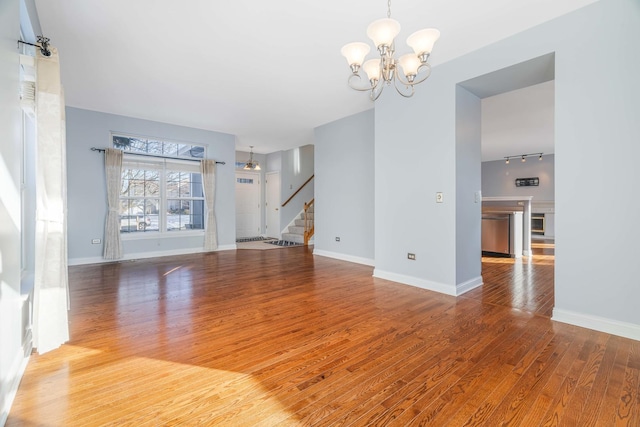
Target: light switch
{"x": 439, "y": 197}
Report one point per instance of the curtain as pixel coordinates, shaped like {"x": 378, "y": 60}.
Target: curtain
{"x": 208, "y": 169}
{"x": 113, "y": 172}
{"x": 51, "y": 287}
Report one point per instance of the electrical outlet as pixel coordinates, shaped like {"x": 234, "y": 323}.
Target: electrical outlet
{"x": 439, "y": 197}
{"x": 337, "y": 239}
{"x": 95, "y": 241}
{"x": 411, "y": 256}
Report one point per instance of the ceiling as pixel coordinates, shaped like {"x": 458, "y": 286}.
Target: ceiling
{"x": 267, "y": 72}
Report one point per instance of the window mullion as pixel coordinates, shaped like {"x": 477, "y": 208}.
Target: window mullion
{"x": 163, "y": 199}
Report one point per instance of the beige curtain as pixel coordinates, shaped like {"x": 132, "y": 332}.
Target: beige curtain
{"x": 208, "y": 169}
{"x": 113, "y": 172}
{"x": 51, "y": 293}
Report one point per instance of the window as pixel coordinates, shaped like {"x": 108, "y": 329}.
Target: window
{"x": 154, "y": 147}
{"x": 160, "y": 194}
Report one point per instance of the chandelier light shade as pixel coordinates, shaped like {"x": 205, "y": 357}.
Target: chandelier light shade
{"x": 355, "y": 52}
{"x": 372, "y": 68}
{"x": 422, "y": 41}
{"x": 251, "y": 165}
{"x": 404, "y": 73}
{"x": 382, "y": 32}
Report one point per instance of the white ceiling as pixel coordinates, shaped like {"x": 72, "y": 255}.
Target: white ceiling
{"x": 267, "y": 72}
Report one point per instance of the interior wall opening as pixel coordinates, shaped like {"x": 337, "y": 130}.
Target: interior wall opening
{"x": 517, "y": 145}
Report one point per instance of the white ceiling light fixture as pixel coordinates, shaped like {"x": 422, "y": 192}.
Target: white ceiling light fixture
{"x": 386, "y": 69}
{"x": 251, "y": 165}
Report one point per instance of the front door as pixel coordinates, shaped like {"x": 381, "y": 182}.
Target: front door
{"x": 247, "y": 205}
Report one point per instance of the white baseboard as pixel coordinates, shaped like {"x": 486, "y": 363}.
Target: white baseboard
{"x": 414, "y": 281}
{"x": 19, "y": 367}
{"x": 602, "y": 324}
{"x": 461, "y": 288}
{"x": 144, "y": 255}
{"x": 344, "y": 257}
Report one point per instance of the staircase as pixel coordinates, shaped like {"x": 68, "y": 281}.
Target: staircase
{"x": 302, "y": 231}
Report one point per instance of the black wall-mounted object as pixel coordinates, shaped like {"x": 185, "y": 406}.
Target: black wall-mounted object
{"x": 527, "y": 182}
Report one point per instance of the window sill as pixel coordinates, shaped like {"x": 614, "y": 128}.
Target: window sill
{"x": 158, "y": 235}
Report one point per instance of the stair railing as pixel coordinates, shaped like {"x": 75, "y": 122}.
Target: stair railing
{"x": 309, "y": 226}
{"x": 297, "y": 191}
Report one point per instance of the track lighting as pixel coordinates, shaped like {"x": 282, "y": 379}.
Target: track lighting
{"x": 523, "y": 157}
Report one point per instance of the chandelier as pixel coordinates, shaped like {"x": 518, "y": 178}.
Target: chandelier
{"x": 386, "y": 69}
{"x": 251, "y": 164}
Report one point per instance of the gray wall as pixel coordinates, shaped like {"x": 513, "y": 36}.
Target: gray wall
{"x": 10, "y": 212}
{"x": 86, "y": 191}
{"x": 597, "y": 148}
{"x": 345, "y": 188}
{"x": 499, "y": 178}
{"x": 274, "y": 161}
{"x": 596, "y": 152}
{"x": 468, "y": 198}
{"x": 415, "y": 157}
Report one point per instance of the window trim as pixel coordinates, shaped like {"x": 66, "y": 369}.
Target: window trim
{"x": 163, "y": 164}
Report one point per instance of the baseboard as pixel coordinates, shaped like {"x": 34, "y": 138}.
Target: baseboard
{"x": 414, "y": 281}
{"x": 461, "y": 288}
{"x": 602, "y": 324}
{"x": 13, "y": 387}
{"x": 344, "y": 257}
{"x": 144, "y": 255}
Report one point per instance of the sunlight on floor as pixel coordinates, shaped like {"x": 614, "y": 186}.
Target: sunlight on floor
{"x": 150, "y": 391}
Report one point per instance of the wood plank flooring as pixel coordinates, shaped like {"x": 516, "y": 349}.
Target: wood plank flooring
{"x": 283, "y": 338}
{"x": 525, "y": 283}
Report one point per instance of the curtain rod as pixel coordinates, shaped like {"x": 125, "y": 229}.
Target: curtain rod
{"x": 44, "y": 45}
{"x": 101, "y": 150}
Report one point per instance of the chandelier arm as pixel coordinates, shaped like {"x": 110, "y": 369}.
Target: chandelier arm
{"x": 406, "y": 86}
{"x": 424, "y": 76}
{"x": 360, "y": 88}
{"x": 376, "y": 91}
{"x": 401, "y": 78}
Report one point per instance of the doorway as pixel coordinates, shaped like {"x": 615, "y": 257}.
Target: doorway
{"x": 272, "y": 205}
{"x": 516, "y": 119}
{"x": 247, "y": 205}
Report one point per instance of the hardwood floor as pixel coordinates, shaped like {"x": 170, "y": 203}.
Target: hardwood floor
{"x": 270, "y": 338}
{"x": 525, "y": 283}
